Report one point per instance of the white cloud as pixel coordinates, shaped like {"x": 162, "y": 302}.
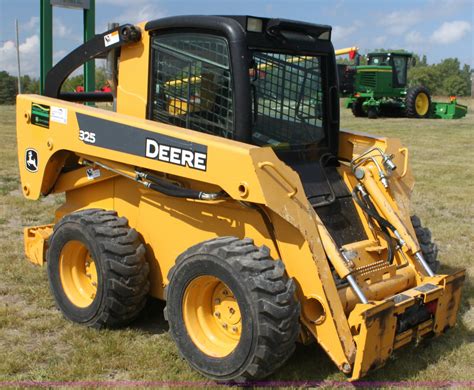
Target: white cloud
{"x": 342, "y": 32}
{"x": 140, "y": 13}
{"x": 414, "y": 38}
{"x": 61, "y": 30}
{"x": 31, "y": 25}
{"x": 398, "y": 22}
{"x": 450, "y": 32}
{"x": 380, "y": 40}
{"x": 29, "y": 56}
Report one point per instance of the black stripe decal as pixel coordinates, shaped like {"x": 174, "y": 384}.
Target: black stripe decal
{"x": 133, "y": 140}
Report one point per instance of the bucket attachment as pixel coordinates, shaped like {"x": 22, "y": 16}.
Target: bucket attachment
{"x": 380, "y": 327}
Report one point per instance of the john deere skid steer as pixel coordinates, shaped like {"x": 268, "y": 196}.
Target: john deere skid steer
{"x": 223, "y": 185}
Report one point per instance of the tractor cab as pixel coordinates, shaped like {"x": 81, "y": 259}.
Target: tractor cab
{"x": 397, "y": 61}
{"x": 268, "y": 82}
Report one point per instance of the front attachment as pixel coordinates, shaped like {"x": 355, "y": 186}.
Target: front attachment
{"x": 380, "y": 327}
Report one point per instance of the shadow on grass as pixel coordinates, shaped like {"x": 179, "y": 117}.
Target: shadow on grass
{"x": 151, "y": 319}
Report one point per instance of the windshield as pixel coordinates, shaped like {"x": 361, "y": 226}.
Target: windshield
{"x": 287, "y": 97}
{"x": 382, "y": 60}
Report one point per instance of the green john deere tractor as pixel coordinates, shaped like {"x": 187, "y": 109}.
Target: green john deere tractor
{"x": 381, "y": 88}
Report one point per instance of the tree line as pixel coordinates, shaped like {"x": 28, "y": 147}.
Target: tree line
{"x": 9, "y": 84}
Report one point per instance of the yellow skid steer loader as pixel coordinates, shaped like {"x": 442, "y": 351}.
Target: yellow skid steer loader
{"x": 223, "y": 185}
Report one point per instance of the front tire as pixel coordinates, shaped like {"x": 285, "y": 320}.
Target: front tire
{"x": 418, "y": 102}
{"x": 232, "y": 310}
{"x": 358, "y": 109}
{"x": 97, "y": 270}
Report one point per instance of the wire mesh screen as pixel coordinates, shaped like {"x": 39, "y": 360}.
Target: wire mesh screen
{"x": 287, "y": 99}
{"x": 192, "y": 83}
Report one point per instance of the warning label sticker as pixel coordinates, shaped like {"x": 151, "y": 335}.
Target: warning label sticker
{"x": 40, "y": 115}
{"x": 59, "y": 115}
{"x": 111, "y": 38}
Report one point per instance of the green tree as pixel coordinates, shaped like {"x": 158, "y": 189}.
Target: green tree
{"x": 8, "y": 88}
{"x": 455, "y": 85}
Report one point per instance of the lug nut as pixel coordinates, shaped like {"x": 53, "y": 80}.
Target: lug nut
{"x": 94, "y": 284}
{"x": 224, "y": 326}
{"x": 231, "y": 310}
{"x": 217, "y": 301}
{"x": 234, "y": 329}
{"x": 217, "y": 314}
{"x": 225, "y": 292}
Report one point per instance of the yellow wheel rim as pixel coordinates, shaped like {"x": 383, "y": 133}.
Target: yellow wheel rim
{"x": 422, "y": 104}
{"x": 212, "y": 316}
{"x": 78, "y": 274}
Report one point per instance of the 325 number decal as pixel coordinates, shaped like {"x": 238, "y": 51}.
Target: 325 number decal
{"x": 87, "y": 136}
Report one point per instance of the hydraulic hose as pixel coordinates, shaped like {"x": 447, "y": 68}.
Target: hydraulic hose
{"x": 369, "y": 208}
{"x": 169, "y": 189}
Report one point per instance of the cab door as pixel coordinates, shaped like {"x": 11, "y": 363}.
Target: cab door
{"x": 191, "y": 82}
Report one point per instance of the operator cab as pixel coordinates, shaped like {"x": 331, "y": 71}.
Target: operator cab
{"x": 269, "y": 82}
{"x": 397, "y": 61}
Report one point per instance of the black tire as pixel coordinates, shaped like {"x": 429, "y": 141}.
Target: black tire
{"x": 357, "y": 109}
{"x": 411, "y": 109}
{"x": 266, "y": 298}
{"x": 121, "y": 269}
{"x": 372, "y": 113}
{"x": 428, "y": 248}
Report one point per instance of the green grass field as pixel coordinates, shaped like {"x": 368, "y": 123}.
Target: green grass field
{"x": 37, "y": 344}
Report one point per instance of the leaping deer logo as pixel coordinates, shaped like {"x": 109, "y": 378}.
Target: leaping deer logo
{"x": 31, "y": 160}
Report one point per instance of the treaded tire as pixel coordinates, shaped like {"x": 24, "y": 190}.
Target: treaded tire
{"x": 410, "y": 102}
{"x": 266, "y": 297}
{"x": 357, "y": 109}
{"x": 428, "y": 248}
{"x": 372, "y": 113}
{"x": 119, "y": 257}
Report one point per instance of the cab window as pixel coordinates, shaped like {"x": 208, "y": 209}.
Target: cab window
{"x": 191, "y": 83}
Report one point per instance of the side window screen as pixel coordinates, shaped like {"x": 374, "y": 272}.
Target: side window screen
{"x": 191, "y": 83}
{"x": 287, "y": 99}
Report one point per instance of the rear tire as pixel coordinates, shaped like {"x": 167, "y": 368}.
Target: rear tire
{"x": 358, "y": 109}
{"x": 97, "y": 270}
{"x": 257, "y": 287}
{"x": 418, "y": 102}
{"x": 428, "y": 248}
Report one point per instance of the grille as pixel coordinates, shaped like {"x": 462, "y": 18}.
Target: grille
{"x": 368, "y": 79}
{"x": 287, "y": 98}
{"x": 192, "y": 82}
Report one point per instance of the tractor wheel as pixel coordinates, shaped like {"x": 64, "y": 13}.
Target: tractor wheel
{"x": 358, "y": 109}
{"x": 418, "y": 102}
{"x": 232, "y": 310}
{"x": 97, "y": 269}
{"x": 372, "y": 113}
{"x": 428, "y": 248}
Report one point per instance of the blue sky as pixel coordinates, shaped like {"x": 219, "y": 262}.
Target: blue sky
{"x": 437, "y": 28}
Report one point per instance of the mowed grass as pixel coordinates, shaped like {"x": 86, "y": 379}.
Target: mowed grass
{"x": 38, "y": 344}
